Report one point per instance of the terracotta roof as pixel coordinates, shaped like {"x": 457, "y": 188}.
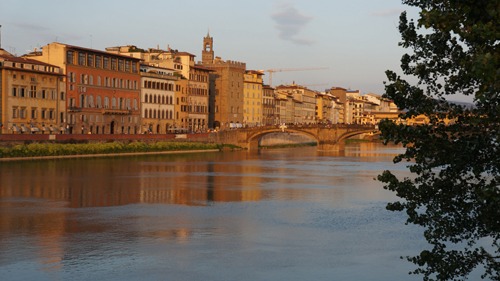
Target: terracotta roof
{"x": 23, "y": 60}
{"x": 200, "y": 67}
{"x": 95, "y": 51}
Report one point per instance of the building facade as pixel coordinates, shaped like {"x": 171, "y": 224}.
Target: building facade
{"x": 32, "y": 96}
{"x": 197, "y": 99}
{"x": 103, "y": 89}
{"x": 157, "y": 99}
{"x": 227, "y": 79}
{"x": 253, "y": 98}
{"x": 269, "y": 107}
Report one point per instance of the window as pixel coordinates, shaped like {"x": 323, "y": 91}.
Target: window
{"x": 44, "y": 113}
{"x": 106, "y": 63}
{"x": 90, "y": 101}
{"x": 15, "y": 112}
{"x": 90, "y": 60}
{"x": 32, "y": 93}
{"x": 14, "y": 92}
{"x": 70, "y": 57}
{"x": 113, "y": 63}
{"x": 120, "y": 65}
{"x": 98, "y": 61}
{"x": 22, "y": 113}
{"x": 33, "y": 113}
{"x": 81, "y": 58}
{"x": 98, "y": 100}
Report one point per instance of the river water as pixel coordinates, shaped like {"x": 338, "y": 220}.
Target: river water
{"x": 280, "y": 214}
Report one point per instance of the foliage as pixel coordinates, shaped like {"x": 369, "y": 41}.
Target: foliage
{"x": 454, "y": 192}
{"x": 61, "y": 149}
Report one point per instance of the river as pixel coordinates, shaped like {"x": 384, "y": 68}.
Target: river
{"x": 277, "y": 214}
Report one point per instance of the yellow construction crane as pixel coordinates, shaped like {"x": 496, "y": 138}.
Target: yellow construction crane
{"x": 271, "y": 71}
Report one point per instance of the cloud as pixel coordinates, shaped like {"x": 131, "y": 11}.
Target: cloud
{"x": 289, "y": 22}
{"x": 387, "y": 13}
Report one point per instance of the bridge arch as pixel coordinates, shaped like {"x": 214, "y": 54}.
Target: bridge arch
{"x": 254, "y": 138}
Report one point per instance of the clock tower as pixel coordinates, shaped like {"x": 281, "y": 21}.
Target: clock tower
{"x": 207, "y": 54}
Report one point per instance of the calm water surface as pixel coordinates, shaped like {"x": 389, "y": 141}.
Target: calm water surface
{"x": 287, "y": 214}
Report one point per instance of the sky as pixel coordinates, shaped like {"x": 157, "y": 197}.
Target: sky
{"x": 352, "y": 42}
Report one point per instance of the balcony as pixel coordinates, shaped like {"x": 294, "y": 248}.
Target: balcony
{"x": 74, "y": 109}
{"x": 110, "y": 111}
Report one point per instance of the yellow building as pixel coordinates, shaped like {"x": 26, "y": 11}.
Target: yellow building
{"x": 33, "y": 96}
{"x": 181, "y": 106}
{"x": 253, "y": 98}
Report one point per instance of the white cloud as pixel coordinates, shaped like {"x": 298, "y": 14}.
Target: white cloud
{"x": 289, "y": 22}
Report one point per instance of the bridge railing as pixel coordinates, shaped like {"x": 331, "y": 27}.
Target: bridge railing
{"x": 305, "y": 126}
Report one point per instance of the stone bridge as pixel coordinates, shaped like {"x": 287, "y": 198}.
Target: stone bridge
{"x": 326, "y": 136}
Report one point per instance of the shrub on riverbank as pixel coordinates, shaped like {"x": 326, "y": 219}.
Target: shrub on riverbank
{"x": 62, "y": 149}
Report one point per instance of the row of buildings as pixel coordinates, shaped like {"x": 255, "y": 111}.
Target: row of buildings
{"x": 128, "y": 90}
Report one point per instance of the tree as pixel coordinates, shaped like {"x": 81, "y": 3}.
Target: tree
{"x": 454, "y": 159}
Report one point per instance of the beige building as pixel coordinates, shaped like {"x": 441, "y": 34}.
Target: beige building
{"x": 269, "y": 107}
{"x": 227, "y": 80}
{"x": 253, "y": 98}
{"x": 157, "y": 99}
{"x": 298, "y": 104}
{"x": 198, "y": 98}
{"x": 32, "y": 96}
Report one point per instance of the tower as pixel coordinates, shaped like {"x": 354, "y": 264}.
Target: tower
{"x": 207, "y": 54}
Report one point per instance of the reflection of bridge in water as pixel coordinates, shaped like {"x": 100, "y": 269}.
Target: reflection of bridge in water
{"x": 326, "y": 137}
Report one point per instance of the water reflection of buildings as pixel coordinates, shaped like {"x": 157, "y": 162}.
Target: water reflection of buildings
{"x": 199, "y": 183}
{"x": 108, "y": 182}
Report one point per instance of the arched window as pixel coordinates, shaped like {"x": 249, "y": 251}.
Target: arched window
{"x": 113, "y": 103}
{"x": 135, "y": 104}
{"x": 98, "y": 101}
{"x": 106, "y": 102}
{"x": 90, "y": 101}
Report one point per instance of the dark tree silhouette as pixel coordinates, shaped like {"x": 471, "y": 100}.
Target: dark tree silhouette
{"x": 454, "y": 190}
